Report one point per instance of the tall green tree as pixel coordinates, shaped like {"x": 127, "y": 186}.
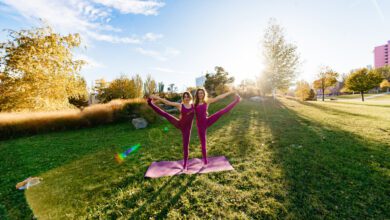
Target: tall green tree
{"x": 363, "y": 80}
{"x": 39, "y": 71}
{"x": 160, "y": 87}
{"x": 217, "y": 83}
{"x": 325, "y": 79}
{"x": 281, "y": 59}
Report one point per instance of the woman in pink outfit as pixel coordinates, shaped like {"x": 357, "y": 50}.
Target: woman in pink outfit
{"x": 203, "y": 121}
{"x": 184, "y": 123}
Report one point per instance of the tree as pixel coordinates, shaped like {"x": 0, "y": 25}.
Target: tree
{"x": 302, "y": 90}
{"x": 325, "y": 78}
{"x": 217, "y": 83}
{"x": 38, "y": 71}
{"x": 248, "y": 88}
{"x": 384, "y": 72}
{"x": 385, "y": 84}
{"x": 281, "y": 59}
{"x": 138, "y": 86}
{"x": 363, "y": 80}
{"x": 172, "y": 88}
{"x": 150, "y": 86}
{"x": 160, "y": 87}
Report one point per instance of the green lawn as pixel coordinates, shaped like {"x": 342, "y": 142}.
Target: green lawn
{"x": 292, "y": 160}
{"x": 353, "y": 96}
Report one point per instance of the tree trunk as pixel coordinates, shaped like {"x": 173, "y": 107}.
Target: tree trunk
{"x": 362, "y": 95}
{"x": 323, "y": 94}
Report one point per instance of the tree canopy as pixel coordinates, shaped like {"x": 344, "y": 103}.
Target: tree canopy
{"x": 38, "y": 71}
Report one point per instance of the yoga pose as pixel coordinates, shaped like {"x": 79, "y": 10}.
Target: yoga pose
{"x": 184, "y": 123}
{"x": 202, "y": 119}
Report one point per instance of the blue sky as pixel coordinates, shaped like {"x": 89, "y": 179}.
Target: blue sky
{"x": 176, "y": 41}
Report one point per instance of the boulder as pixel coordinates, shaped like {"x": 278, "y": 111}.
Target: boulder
{"x": 139, "y": 123}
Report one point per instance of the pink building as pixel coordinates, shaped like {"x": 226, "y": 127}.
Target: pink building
{"x": 381, "y": 55}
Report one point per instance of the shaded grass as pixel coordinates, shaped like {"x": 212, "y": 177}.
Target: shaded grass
{"x": 291, "y": 159}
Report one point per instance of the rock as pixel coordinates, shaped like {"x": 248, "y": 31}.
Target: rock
{"x": 139, "y": 123}
{"x": 256, "y": 99}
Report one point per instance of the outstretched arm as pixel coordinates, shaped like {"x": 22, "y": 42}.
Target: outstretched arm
{"x": 222, "y": 96}
{"x": 174, "y": 104}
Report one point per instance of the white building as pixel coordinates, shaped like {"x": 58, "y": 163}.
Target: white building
{"x": 199, "y": 81}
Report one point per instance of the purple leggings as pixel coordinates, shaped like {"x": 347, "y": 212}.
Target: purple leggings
{"x": 203, "y": 122}
{"x": 184, "y": 125}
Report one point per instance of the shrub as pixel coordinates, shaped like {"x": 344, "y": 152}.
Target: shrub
{"x": 19, "y": 124}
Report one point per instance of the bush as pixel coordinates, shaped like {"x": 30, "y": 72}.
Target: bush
{"x": 20, "y": 124}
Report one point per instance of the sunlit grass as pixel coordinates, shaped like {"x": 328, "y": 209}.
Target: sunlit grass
{"x": 300, "y": 160}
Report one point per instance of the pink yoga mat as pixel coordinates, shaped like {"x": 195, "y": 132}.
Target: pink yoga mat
{"x": 170, "y": 168}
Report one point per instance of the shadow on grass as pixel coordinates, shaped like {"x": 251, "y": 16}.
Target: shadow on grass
{"x": 330, "y": 173}
{"x": 335, "y": 111}
{"x": 33, "y": 156}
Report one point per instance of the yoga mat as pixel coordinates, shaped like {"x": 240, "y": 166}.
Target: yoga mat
{"x": 195, "y": 165}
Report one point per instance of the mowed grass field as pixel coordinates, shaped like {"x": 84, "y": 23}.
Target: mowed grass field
{"x": 292, "y": 160}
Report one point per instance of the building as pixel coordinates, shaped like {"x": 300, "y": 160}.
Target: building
{"x": 199, "y": 81}
{"x": 381, "y": 55}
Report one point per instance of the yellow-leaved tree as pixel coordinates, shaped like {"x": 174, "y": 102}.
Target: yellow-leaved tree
{"x": 38, "y": 71}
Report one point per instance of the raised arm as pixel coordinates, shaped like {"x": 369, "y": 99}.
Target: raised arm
{"x": 174, "y": 104}
{"x": 222, "y": 96}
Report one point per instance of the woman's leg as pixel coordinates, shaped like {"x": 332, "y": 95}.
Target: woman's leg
{"x": 186, "y": 134}
{"x": 202, "y": 131}
{"x": 172, "y": 119}
{"x": 214, "y": 117}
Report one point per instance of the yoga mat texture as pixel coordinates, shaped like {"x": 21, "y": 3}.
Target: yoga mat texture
{"x": 195, "y": 165}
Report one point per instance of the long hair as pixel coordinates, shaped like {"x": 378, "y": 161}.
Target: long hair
{"x": 186, "y": 93}
{"x": 197, "y": 96}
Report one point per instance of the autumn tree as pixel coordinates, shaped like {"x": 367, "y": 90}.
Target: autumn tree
{"x": 120, "y": 88}
{"x": 385, "y": 84}
{"x": 363, "y": 80}
{"x": 38, "y": 71}
{"x": 281, "y": 60}
{"x": 302, "y": 90}
{"x": 217, "y": 83}
{"x": 325, "y": 79}
{"x": 384, "y": 72}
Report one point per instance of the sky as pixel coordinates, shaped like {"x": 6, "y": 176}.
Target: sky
{"x": 177, "y": 41}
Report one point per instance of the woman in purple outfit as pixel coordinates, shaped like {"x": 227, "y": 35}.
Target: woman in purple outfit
{"x": 203, "y": 121}
{"x": 184, "y": 124}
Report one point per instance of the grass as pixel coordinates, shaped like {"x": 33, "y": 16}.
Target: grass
{"x": 354, "y": 96}
{"x": 292, "y": 160}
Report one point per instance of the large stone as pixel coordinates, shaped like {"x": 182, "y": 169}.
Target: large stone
{"x": 139, "y": 123}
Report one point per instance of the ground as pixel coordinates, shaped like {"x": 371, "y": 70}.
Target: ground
{"x": 294, "y": 160}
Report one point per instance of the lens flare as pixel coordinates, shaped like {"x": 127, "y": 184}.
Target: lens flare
{"x": 120, "y": 157}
